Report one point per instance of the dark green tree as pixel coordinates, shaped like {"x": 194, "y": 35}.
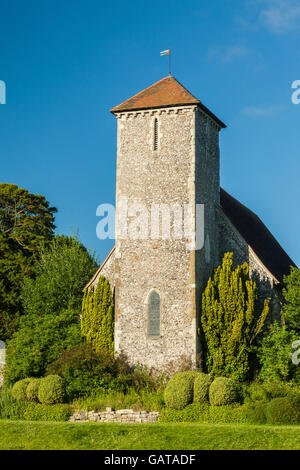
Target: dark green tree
{"x": 26, "y": 222}
{"x": 231, "y": 320}
{"x": 276, "y": 348}
{"x": 52, "y": 305}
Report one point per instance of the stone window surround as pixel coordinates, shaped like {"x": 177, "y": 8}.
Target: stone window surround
{"x": 146, "y": 313}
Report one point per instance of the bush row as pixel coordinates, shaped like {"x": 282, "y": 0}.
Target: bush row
{"x": 189, "y": 386}
{"x": 24, "y": 410}
{"x": 284, "y": 410}
{"x": 47, "y": 390}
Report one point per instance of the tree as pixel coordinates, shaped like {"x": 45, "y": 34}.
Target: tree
{"x": 276, "y": 348}
{"x": 230, "y": 320}
{"x": 26, "y": 222}
{"x": 291, "y": 293}
{"x": 275, "y": 355}
{"x": 97, "y": 319}
{"x": 52, "y": 304}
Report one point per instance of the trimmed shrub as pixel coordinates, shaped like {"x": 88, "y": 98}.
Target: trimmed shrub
{"x": 179, "y": 390}
{"x": 38, "y": 412}
{"x": 51, "y": 390}
{"x": 201, "y": 387}
{"x": 32, "y": 390}
{"x": 19, "y": 389}
{"x": 284, "y": 410}
{"x": 223, "y": 391}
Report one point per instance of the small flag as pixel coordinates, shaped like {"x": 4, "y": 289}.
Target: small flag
{"x": 167, "y": 52}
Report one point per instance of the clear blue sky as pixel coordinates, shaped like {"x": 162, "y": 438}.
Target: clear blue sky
{"x": 66, "y": 64}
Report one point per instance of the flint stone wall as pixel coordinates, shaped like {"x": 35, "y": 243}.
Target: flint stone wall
{"x": 119, "y": 416}
{"x": 184, "y": 170}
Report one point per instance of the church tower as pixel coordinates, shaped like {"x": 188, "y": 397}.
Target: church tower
{"x": 167, "y": 181}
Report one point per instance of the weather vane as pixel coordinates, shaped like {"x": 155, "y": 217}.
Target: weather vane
{"x": 167, "y": 52}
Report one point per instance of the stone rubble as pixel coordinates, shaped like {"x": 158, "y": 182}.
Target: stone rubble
{"x": 118, "y": 416}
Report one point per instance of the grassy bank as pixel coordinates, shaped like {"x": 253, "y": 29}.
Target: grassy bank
{"x": 68, "y": 436}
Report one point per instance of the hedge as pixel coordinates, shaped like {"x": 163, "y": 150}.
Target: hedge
{"x": 201, "y": 387}
{"x": 284, "y": 410}
{"x": 204, "y": 413}
{"x": 19, "y": 390}
{"x": 38, "y": 412}
{"x": 32, "y": 390}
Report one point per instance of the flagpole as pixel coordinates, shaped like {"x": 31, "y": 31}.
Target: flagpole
{"x": 167, "y": 52}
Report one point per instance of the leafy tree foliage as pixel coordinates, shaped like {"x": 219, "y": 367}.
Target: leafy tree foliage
{"x": 276, "y": 348}
{"x": 275, "y": 355}
{"x": 97, "y": 320}
{"x": 52, "y": 304}
{"x": 230, "y": 320}
{"x": 26, "y": 222}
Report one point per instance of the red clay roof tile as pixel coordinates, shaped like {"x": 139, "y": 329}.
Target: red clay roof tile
{"x": 164, "y": 93}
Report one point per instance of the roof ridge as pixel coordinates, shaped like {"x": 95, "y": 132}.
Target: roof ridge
{"x": 255, "y": 215}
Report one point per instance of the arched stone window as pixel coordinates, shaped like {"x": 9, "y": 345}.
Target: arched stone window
{"x": 153, "y": 314}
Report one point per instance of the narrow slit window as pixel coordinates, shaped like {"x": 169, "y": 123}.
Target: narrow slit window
{"x": 154, "y": 314}
{"x": 155, "y": 140}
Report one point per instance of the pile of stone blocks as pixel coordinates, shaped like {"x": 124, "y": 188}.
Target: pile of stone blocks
{"x": 119, "y": 416}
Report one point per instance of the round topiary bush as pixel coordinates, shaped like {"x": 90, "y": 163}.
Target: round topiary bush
{"x": 51, "y": 390}
{"x": 284, "y": 410}
{"x": 19, "y": 389}
{"x": 179, "y": 390}
{"x": 201, "y": 387}
{"x": 223, "y": 391}
{"x": 32, "y": 390}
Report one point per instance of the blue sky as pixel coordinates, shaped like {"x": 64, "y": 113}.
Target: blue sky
{"x": 65, "y": 64}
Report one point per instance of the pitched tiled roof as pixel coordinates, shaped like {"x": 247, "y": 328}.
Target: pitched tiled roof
{"x": 258, "y": 237}
{"x": 165, "y": 93}
{"x": 100, "y": 268}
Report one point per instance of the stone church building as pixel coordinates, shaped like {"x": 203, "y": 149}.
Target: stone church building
{"x": 168, "y": 153}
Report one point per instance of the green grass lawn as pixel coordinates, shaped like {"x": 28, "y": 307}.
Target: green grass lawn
{"x": 27, "y": 435}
